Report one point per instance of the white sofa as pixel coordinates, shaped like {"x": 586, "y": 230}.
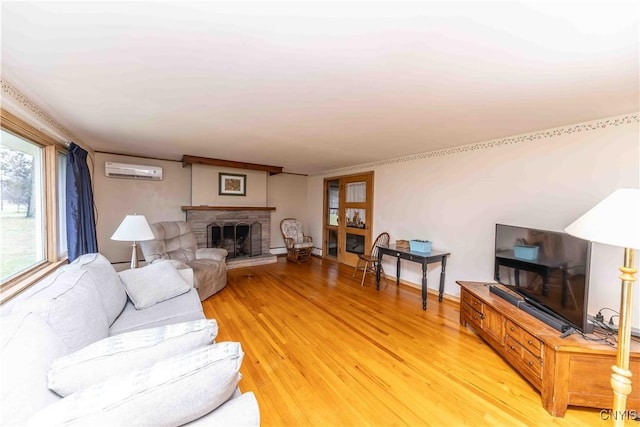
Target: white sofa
{"x": 128, "y": 348}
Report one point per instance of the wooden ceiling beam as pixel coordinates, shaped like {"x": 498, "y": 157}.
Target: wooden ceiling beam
{"x": 190, "y": 160}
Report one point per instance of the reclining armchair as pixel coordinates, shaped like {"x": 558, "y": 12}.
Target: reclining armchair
{"x": 298, "y": 244}
{"x": 174, "y": 240}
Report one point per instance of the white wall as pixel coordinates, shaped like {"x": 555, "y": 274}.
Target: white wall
{"x": 543, "y": 180}
{"x": 205, "y": 181}
{"x": 288, "y": 193}
{"x": 157, "y": 200}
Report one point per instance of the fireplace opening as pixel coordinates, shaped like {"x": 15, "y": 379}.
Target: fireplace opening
{"x": 240, "y": 239}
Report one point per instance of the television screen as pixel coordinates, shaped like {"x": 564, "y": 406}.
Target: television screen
{"x": 550, "y": 269}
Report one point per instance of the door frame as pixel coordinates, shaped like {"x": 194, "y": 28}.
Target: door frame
{"x": 344, "y": 256}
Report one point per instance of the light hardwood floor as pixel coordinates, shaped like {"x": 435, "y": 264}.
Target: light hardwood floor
{"x": 321, "y": 350}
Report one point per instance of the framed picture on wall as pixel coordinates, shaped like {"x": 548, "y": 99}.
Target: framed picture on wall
{"x": 232, "y": 184}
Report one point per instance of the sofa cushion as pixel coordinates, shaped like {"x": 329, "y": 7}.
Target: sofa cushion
{"x": 171, "y": 392}
{"x": 71, "y": 305}
{"x": 239, "y": 411}
{"x": 126, "y": 353}
{"x": 182, "y": 308}
{"x": 106, "y": 281}
{"x": 153, "y": 283}
{"x": 27, "y": 347}
{"x": 303, "y": 245}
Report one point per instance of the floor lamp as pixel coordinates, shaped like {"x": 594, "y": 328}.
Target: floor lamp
{"x": 133, "y": 228}
{"x": 616, "y": 221}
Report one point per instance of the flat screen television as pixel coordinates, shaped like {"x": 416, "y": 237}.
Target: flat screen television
{"x": 548, "y": 268}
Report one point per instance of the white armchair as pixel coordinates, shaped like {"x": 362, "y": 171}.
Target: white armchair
{"x": 175, "y": 240}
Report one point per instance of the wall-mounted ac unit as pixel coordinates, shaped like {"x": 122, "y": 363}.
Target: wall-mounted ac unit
{"x": 123, "y": 170}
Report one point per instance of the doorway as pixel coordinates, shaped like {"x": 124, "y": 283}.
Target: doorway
{"x": 348, "y": 214}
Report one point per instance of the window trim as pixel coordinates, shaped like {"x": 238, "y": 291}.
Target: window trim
{"x": 12, "y": 124}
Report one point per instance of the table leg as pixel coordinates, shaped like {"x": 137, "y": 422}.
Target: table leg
{"x": 424, "y": 285}
{"x": 442, "y": 273}
{"x": 378, "y": 271}
{"x": 545, "y": 282}
{"x": 398, "y": 272}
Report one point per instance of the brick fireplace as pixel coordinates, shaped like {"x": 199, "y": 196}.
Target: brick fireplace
{"x": 244, "y": 231}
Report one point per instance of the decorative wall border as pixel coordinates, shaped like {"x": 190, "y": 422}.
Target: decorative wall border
{"x": 518, "y": 139}
{"x": 35, "y": 114}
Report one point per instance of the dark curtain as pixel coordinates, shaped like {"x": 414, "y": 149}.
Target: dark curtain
{"x": 81, "y": 224}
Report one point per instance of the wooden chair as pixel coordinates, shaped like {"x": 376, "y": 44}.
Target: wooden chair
{"x": 298, "y": 244}
{"x": 371, "y": 261}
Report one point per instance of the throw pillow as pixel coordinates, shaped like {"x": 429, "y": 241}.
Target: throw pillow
{"x": 153, "y": 283}
{"x": 106, "y": 280}
{"x": 172, "y": 392}
{"x": 129, "y": 352}
{"x": 71, "y": 305}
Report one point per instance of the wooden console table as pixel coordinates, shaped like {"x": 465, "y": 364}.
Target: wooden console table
{"x": 566, "y": 371}
{"x": 423, "y": 258}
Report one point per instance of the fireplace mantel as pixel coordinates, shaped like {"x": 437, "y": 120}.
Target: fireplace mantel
{"x": 227, "y": 208}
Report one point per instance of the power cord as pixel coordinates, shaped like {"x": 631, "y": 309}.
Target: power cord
{"x": 599, "y": 317}
{"x": 599, "y": 334}
{"x": 603, "y": 332}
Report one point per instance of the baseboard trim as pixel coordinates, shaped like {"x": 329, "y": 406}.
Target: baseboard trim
{"x": 445, "y": 296}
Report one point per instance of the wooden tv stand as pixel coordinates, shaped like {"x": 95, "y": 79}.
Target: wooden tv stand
{"x": 566, "y": 371}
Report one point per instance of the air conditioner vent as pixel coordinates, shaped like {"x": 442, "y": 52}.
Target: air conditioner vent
{"x": 128, "y": 171}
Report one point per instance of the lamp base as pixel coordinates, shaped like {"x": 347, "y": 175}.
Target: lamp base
{"x": 134, "y": 255}
{"x": 621, "y": 375}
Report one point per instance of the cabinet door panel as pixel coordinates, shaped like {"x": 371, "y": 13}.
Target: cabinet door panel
{"x": 492, "y": 323}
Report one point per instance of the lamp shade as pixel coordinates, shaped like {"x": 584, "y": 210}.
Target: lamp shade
{"x": 614, "y": 221}
{"x": 133, "y": 228}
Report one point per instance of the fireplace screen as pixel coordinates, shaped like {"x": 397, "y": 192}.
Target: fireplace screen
{"x": 240, "y": 239}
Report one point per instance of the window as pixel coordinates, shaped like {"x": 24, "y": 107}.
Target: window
{"x": 21, "y": 205}
{"x": 32, "y": 205}
{"x": 333, "y": 198}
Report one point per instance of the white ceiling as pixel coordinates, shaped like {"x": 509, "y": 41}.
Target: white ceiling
{"x": 318, "y": 86}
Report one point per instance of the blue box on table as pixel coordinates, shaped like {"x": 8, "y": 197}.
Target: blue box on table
{"x": 420, "y": 246}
